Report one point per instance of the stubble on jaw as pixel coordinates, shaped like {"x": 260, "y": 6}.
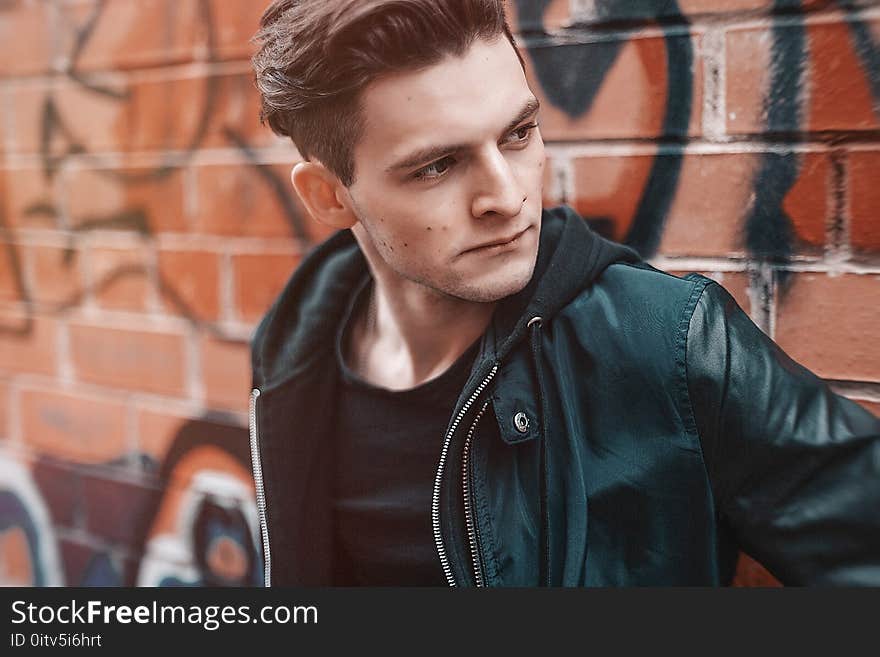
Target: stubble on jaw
{"x": 452, "y": 287}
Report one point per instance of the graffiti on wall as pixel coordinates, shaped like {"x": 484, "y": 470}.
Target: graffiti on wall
{"x": 573, "y": 75}
{"x": 196, "y": 524}
{"x": 192, "y": 523}
{"x": 59, "y": 140}
{"x": 199, "y": 527}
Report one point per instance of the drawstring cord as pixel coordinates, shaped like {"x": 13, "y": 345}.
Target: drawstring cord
{"x": 545, "y": 576}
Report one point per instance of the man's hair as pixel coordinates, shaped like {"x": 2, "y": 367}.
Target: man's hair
{"x": 315, "y": 57}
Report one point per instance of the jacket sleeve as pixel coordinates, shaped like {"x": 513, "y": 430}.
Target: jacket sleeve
{"x": 794, "y": 467}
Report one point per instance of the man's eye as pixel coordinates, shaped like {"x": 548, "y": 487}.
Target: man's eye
{"x": 523, "y": 133}
{"x": 434, "y": 170}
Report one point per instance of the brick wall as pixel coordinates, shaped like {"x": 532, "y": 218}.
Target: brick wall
{"x": 146, "y": 223}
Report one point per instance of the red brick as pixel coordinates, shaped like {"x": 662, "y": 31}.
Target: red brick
{"x": 236, "y": 109}
{"x": 4, "y": 410}
{"x": 12, "y": 282}
{"x": 749, "y": 573}
{"x": 551, "y": 196}
{"x": 697, "y": 7}
{"x": 96, "y": 121}
{"x": 128, "y": 34}
{"x": 609, "y": 188}
{"x": 258, "y": 281}
{"x": 713, "y": 198}
{"x": 691, "y": 9}
{"x": 239, "y": 201}
{"x": 56, "y": 276}
{"x": 236, "y": 22}
{"x": 807, "y": 201}
{"x": 226, "y": 373}
{"x": 120, "y": 278}
{"x": 840, "y": 93}
{"x": 735, "y": 282}
{"x": 136, "y": 360}
{"x": 864, "y": 198}
{"x": 748, "y": 54}
{"x": 189, "y": 283}
{"x": 156, "y": 433}
{"x": 27, "y": 109}
{"x": 827, "y": 324}
{"x": 872, "y": 406}
{"x": 631, "y": 101}
{"x": 191, "y": 113}
{"x": 180, "y": 114}
{"x": 135, "y": 199}
{"x": 837, "y": 93}
{"x": 25, "y": 31}
{"x": 72, "y": 427}
{"x": 27, "y": 343}
{"x": 167, "y": 114}
{"x": 29, "y": 201}
{"x": 82, "y": 117}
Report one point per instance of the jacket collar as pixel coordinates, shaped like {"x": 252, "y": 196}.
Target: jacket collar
{"x": 298, "y": 330}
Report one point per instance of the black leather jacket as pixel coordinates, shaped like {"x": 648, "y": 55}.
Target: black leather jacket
{"x": 649, "y": 430}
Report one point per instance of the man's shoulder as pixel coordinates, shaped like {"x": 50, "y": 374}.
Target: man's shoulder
{"x": 640, "y": 287}
{"x": 635, "y": 311}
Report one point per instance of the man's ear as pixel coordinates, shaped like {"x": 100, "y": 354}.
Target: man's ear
{"x": 317, "y": 188}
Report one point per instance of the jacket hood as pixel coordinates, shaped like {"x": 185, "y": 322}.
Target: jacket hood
{"x": 299, "y": 329}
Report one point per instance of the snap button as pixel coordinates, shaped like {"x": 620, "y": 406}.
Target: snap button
{"x": 521, "y": 422}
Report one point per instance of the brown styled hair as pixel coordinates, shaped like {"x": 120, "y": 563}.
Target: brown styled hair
{"x": 316, "y": 56}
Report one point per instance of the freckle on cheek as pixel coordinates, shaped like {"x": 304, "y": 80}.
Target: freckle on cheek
{"x": 429, "y": 228}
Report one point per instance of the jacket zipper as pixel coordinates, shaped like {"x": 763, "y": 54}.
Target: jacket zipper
{"x": 257, "y": 465}
{"x": 435, "y": 500}
{"x": 470, "y": 522}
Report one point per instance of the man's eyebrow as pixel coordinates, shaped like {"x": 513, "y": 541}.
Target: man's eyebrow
{"x": 431, "y": 153}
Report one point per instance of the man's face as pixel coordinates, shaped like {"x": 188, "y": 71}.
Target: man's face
{"x": 451, "y": 160}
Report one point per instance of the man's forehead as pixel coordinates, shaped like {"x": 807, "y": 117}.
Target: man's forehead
{"x": 453, "y": 99}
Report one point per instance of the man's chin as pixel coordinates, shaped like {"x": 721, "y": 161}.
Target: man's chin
{"x": 496, "y": 290}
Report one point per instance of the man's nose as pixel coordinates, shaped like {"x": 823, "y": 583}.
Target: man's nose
{"x": 496, "y": 191}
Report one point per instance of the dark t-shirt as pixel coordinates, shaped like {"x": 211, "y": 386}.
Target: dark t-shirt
{"x": 387, "y": 447}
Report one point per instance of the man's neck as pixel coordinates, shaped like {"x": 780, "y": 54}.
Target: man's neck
{"x": 407, "y": 334}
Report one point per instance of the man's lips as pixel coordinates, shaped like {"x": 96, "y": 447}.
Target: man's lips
{"x": 499, "y": 242}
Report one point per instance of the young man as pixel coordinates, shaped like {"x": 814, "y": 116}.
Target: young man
{"x": 460, "y": 387}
